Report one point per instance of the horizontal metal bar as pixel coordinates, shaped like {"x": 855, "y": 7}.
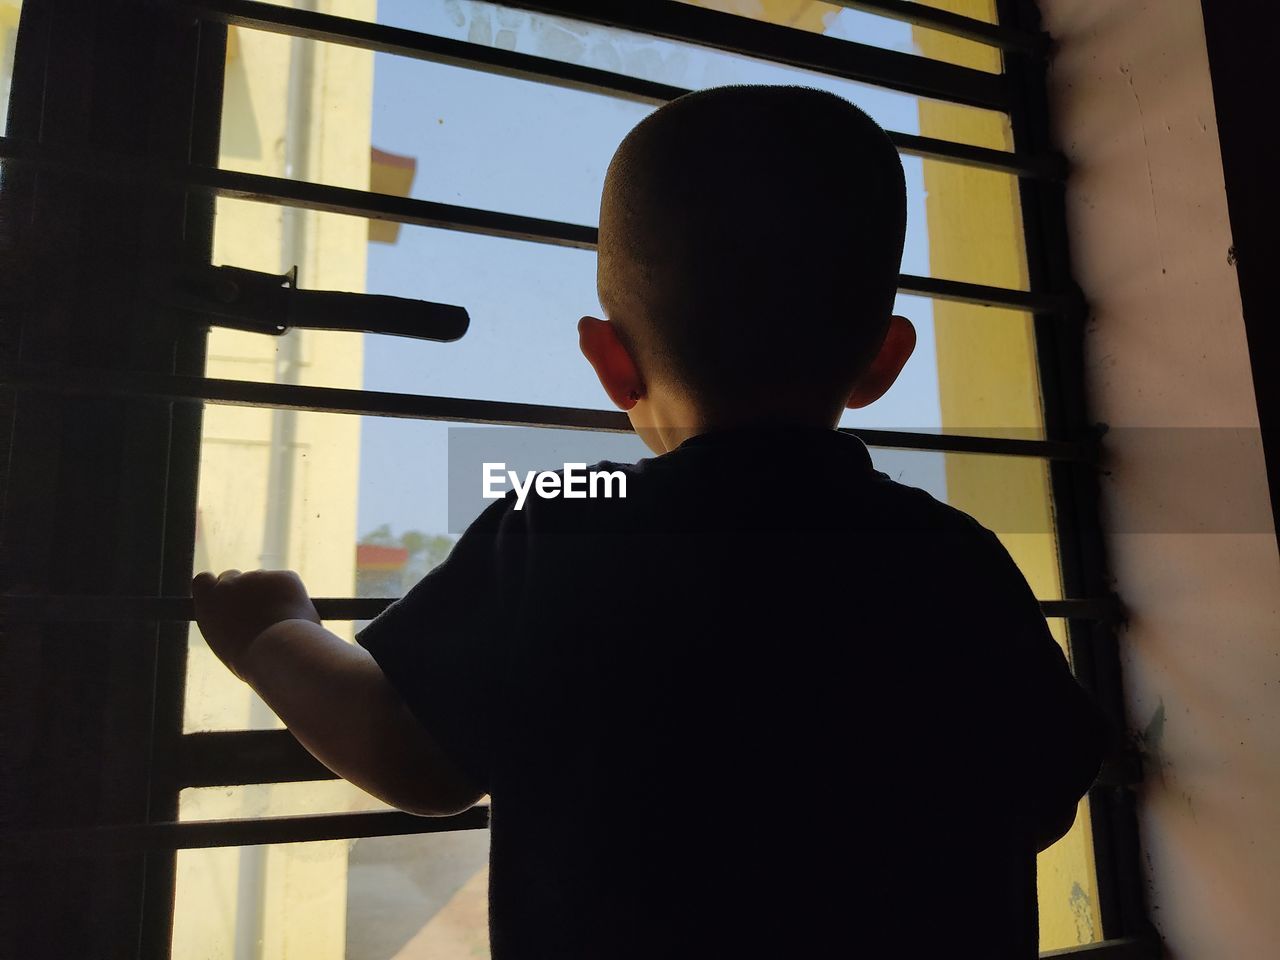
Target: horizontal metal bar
{"x": 1052, "y": 166}
{"x": 1097, "y": 608}
{"x": 226, "y": 758}
{"x": 400, "y": 42}
{"x": 244, "y": 757}
{"x": 944, "y": 21}
{"x": 406, "y": 43}
{"x": 116, "y": 839}
{"x": 314, "y": 196}
{"x": 381, "y": 206}
{"x": 377, "y": 206}
{"x": 229, "y": 758}
{"x": 1123, "y": 948}
{"x": 473, "y": 56}
{"x": 984, "y": 296}
{"x": 18, "y": 608}
{"x": 80, "y": 380}
{"x": 302, "y": 194}
{"x": 246, "y": 393}
{"x": 1124, "y": 768}
{"x": 69, "y": 608}
{"x": 1082, "y": 452}
{"x": 428, "y": 213}
{"x": 678, "y": 22}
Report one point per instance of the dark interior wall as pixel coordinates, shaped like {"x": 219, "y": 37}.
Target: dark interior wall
{"x": 1240, "y": 38}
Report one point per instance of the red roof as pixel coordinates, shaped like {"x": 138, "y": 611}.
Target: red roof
{"x": 370, "y": 556}
{"x": 392, "y": 159}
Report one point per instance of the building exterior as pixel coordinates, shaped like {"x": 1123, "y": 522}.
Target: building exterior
{"x": 9, "y": 11}
{"x": 278, "y": 488}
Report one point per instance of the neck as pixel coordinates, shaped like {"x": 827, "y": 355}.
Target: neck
{"x": 664, "y": 421}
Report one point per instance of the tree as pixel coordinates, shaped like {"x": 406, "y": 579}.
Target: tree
{"x": 428, "y": 548}
{"x": 433, "y": 547}
{"x": 380, "y": 537}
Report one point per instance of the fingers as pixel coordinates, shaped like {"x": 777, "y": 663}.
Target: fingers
{"x": 205, "y": 580}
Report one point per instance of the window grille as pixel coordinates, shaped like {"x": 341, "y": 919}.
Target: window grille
{"x": 110, "y": 175}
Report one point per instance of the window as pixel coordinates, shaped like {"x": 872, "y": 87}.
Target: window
{"x": 453, "y": 153}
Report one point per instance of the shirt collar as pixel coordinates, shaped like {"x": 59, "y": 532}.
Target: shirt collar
{"x": 775, "y": 436}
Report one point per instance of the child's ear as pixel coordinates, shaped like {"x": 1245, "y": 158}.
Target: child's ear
{"x": 899, "y": 342}
{"x": 599, "y": 343}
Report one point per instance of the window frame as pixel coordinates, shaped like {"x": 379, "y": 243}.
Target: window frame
{"x": 47, "y": 151}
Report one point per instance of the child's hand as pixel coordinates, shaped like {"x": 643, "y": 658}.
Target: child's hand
{"x": 235, "y": 608}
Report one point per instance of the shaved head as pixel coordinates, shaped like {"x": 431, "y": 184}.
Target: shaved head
{"x": 750, "y": 242}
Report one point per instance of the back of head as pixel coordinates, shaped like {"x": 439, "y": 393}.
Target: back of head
{"x": 750, "y": 241}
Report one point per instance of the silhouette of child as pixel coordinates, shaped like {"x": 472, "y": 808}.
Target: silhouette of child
{"x": 769, "y": 703}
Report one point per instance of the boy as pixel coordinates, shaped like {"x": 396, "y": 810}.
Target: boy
{"x": 771, "y": 702}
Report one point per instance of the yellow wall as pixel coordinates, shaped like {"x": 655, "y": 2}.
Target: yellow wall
{"x": 10, "y": 11}
{"x": 986, "y": 382}
{"x": 303, "y": 886}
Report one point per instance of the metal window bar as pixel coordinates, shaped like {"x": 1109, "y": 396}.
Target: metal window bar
{"x": 238, "y": 757}
{"x": 199, "y": 834}
{"x": 86, "y": 380}
{"x": 1082, "y": 554}
{"x": 163, "y": 837}
{"x": 663, "y": 18}
{"x": 84, "y": 608}
{"x": 1083, "y": 563}
{"x": 429, "y": 213}
{"x": 932, "y": 18}
{"x": 380, "y": 38}
{"x": 917, "y": 14}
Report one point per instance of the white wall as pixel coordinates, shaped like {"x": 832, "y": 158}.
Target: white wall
{"x": 1166, "y": 348}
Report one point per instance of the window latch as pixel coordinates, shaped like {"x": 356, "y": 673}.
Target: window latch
{"x": 273, "y": 304}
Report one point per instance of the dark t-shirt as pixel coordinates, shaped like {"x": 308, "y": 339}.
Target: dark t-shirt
{"x": 771, "y": 703}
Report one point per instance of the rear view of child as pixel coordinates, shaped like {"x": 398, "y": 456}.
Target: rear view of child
{"x": 771, "y": 702}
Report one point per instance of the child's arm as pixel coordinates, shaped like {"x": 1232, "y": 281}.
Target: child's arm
{"x": 331, "y": 695}
{"x": 1078, "y": 763}
{"x": 1053, "y": 734}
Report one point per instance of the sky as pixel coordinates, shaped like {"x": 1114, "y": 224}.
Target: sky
{"x": 496, "y": 143}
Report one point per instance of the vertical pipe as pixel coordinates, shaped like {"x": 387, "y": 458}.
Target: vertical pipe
{"x": 251, "y": 892}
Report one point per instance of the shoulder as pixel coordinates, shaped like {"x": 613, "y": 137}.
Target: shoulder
{"x": 971, "y": 553}
{"x": 917, "y": 507}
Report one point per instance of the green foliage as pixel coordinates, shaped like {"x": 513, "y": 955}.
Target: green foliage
{"x": 433, "y": 547}
{"x": 380, "y": 537}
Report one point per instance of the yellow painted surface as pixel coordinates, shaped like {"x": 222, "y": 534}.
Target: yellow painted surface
{"x": 798, "y": 14}
{"x": 816, "y": 17}
{"x": 986, "y": 380}
{"x": 234, "y": 459}
{"x": 10, "y": 13}
{"x": 390, "y": 174}
{"x": 300, "y": 909}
